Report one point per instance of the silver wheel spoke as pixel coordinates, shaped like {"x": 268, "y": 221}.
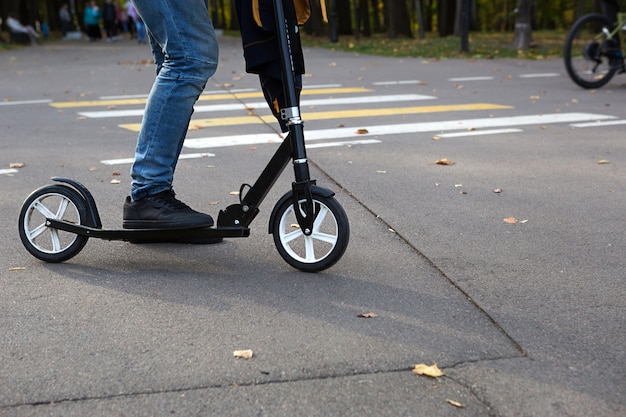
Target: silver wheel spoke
{"x": 40, "y": 207}
{"x": 54, "y": 237}
{"x": 33, "y": 234}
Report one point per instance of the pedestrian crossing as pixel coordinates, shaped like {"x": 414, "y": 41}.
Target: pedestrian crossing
{"x": 246, "y": 109}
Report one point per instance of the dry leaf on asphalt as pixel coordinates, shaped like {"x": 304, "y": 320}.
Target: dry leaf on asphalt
{"x": 432, "y": 371}
{"x": 510, "y": 220}
{"x": 17, "y": 165}
{"x": 369, "y": 315}
{"x": 603, "y": 161}
{"x": 497, "y": 190}
{"x": 362, "y": 131}
{"x": 17, "y": 268}
{"x": 444, "y": 161}
{"x": 116, "y": 182}
{"x": 243, "y": 354}
{"x": 455, "y": 403}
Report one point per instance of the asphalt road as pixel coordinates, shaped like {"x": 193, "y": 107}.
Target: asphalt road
{"x": 506, "y": 268}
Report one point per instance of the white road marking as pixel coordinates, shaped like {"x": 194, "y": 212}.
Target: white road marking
{"x": 125, "y": 161}
{"x": 344, "y": 143}
{"x": 478, "y": 133}
{"x": 600, "y": 123}
{"x": 398, "y": 82}
{"x": 384, "y": 130}
{"x": 16, "y": 103}
{"x": 460, "y": 79}
{"x": 543, "y": 75}
{"x": 8, "y": 171}
{"x": 263, "y": 105}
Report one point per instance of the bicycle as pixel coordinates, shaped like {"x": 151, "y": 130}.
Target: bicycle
{"x": 593, "y": 50}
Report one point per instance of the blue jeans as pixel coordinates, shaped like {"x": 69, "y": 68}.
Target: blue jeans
{"x": 185, "y": 53}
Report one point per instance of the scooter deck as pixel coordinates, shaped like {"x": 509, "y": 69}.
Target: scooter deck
{"x": 148, "y": 234}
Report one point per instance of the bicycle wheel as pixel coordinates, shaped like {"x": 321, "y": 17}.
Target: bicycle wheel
{"x": 591, "y": 60}
{"x": 324, "y": 246}
{"x": 56, "y": 202}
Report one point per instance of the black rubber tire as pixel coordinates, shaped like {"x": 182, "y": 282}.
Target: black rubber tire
{"x": 48, "y": 244}
{"x": 585, "y": 57}
{"x": 326, "y": 244}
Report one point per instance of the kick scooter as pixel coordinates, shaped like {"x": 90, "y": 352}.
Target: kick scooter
{"x": 309, "y": 227}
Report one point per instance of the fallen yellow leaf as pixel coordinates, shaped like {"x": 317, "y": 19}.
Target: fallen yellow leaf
{"x": 432, "y": 371}
{"x": 444, "y": 161}
{"x": 362, "y": 131}
{"x": 243, "y": 354}
{"x": 455, "y": 403}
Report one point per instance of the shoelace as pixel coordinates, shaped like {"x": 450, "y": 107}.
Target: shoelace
{"x": 168, "y": 199}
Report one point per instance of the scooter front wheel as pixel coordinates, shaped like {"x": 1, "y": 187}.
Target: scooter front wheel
{"x": 324, "y": 246}
{"x": 56, "y": 202}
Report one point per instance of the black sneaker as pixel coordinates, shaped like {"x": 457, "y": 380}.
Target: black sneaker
{"x": 162, "y": 211}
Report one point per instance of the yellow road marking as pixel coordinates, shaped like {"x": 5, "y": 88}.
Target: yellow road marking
{"x": 204, "y": 97}
{"x": 327, "y": 115}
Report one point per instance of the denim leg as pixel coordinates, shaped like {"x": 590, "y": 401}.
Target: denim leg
{"x": 185, "y": 51}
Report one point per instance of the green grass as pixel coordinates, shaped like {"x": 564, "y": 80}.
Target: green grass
{"x": 481, "y": 45}
{"x": 549, "y": 44}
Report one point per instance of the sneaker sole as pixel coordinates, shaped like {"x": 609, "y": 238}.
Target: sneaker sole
{"x": 150, "y": 224}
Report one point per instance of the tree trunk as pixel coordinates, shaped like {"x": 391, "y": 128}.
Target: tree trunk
{"x": 523, "y": 30}
{"x": 445, "y": 19}
{"x": 344, "y": 17}
{"x": 398, "y": 20}
{"x": 378, "y": 25}
{"x": 364, "y": 18}
{"x": 420, "y": 19}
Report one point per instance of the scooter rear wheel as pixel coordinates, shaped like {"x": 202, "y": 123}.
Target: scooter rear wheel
{"x": 324, "y": 246}
{"x": 57, "y": 202}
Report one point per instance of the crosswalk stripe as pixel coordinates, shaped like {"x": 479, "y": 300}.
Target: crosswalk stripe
{"x": 329, "y": 115}
{"x": 263, "y": 105}
{"x": 542, "y": 75}
{"x": 478, "y": 133}
{"x": 127, "y": 161}
{"x": 463, "y": 79}
{"x": 207, "y": 97}
{"x": 601, "y": 123}
{"x": 402, "y": 82}
{"x": 343, "y": 143}
{"x": 122, "y": 161}
{"x": 19, "y": 102}
{"x": 379, "y": 131}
